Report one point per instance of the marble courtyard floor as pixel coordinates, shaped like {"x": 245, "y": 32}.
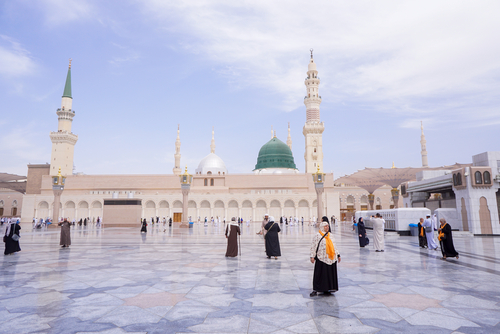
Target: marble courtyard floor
{"x": 116, "y": 280}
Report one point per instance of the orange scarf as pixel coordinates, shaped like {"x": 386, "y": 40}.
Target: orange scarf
{"x": 441, "y": 234}
{"x": 421, "y": 230}
{"x": 330, "y": 249}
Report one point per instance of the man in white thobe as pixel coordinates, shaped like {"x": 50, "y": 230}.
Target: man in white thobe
{"x": 378, "y": 233}
{"x": 429, "y": 233}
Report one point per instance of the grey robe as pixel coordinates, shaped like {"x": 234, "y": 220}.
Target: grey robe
{"x": 65, "y": 233}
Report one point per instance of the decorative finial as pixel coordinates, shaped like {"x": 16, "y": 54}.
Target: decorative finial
{"x": 178, "y": 127}
{"x": 186, "y": 170}
{"x": 311, "y": 53}
{"x": 70, "y": 62}
{"x": 318, "y": 169}
{"x": 393, "y": 166}
{"x": 59, "y": 173}
{"x": 289, "y": 125}
{"x": 274, "y": 133}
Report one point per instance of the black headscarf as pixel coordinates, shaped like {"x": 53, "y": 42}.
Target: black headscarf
{"x": 359, "y": 220}
{"x": 325, "y": 219}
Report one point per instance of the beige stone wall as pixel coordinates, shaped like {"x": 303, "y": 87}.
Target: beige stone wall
{"x": 248, "y": 196}
{"x": 34, "y": 178}
{"x": 122, "y": 215}
{"x": 9, "y": 200}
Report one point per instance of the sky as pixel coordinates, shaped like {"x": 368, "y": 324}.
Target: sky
{"x": 140, "y": 68}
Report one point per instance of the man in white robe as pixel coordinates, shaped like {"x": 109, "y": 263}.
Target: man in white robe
{"x": 429, "y": 233}
{"x": 378, "y": 233}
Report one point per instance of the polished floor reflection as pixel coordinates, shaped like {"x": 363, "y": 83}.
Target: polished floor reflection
{"x": 173, "y": 280}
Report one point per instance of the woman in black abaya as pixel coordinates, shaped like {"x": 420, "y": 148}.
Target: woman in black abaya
{"x": 272, "y": 239}
{"x": 446, "y": 240}
{"x": 363, "y": 240}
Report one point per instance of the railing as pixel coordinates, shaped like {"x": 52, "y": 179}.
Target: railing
{"x": 390, "y": 224}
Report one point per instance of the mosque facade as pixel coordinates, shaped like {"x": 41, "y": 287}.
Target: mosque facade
{"x": 273, "y": 186}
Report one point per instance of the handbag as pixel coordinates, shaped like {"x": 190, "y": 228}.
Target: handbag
{"x": 428, "y": 229}
{"x": 367, "y": 241}
{"x": 15, "y": 237}
{"x": 316, "y": 257}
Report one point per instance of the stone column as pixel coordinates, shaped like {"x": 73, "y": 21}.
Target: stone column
{"x": 185, "y": 192}
{"x": 57, "y": 201}
{"x": 395, "y": 197}
{"x": 319, "y": 198}
{"x": 371, "y": 200}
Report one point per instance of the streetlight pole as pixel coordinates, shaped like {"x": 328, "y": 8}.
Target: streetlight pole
{"x": 186, "y": 180}
{"x": 57, "y": 187}
{"x": 319, "y": 179}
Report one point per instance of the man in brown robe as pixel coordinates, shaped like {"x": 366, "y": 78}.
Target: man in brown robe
{"x": 232, "y": 231}
{"x": 65, "y": 240}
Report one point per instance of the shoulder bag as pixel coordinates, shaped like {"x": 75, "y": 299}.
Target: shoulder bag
{"x": 316, "y": 257}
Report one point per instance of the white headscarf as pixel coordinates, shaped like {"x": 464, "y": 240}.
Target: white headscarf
{"x": 231, "y": 223}
{"x": 9, "y": 226}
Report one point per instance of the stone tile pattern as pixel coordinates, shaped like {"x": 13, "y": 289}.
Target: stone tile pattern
{"x": 117, "y": 280}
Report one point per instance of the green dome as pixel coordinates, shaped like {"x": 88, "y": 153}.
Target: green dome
{"x": 275, "y": 154}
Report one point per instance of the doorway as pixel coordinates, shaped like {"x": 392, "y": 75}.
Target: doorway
{"x": 177, "y": 217}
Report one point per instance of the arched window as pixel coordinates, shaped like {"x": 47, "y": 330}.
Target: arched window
{"x": 479, "y": 177}
{"x": 209, "y": 173}
{"x": 205, "y": 182}
{"x": 487, "y": 177}
{"x": 459, "y": 179}
{"x": 454, "y": 179}
{"x": 211, "y": 182}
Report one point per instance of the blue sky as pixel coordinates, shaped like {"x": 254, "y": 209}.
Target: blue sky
{"x": 142, "y": 67}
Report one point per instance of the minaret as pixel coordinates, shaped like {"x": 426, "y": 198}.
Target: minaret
{"x": 424, "y": 149}
{"x": 272, "y": 132}
{"x": 313, "y": 129}
{"x": 177, "y": 167}
{"x": 289, "y": 138}
{"x": 212, "y": 144}
{"x": 63, "y": 141}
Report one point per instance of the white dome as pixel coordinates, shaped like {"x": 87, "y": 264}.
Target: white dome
{"x": 213, "y": 164}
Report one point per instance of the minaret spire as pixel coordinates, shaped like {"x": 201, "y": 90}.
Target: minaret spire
{"x": 289, "y": 138}
{"x": 177, "y": 167}
{"x": 423, "y": 143}
{"x": 313, "y": 129}
{"x": 212, "y": 145}
{"x": 67, "y": 86}
{"x": 272, "y": 132}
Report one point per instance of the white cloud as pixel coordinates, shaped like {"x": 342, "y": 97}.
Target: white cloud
{"x": 22, "y": 145}
{"x": 15, "y": 61}
{"x": 412, "y": 54}
{"x": 63, "y": 11}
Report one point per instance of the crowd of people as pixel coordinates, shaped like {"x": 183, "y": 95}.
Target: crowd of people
{"x": 324, "y": 253}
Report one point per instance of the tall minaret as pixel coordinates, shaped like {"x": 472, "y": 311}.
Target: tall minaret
{"x": 313, "y": 129}
{"x": 212, "y": 144}
{"x": 177, "y": 167}
{"x": 289, "y": 138}
{"x": 63, "y": 141}
{"x": 422, "y": 143}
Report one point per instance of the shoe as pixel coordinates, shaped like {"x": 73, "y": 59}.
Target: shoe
{"x": 382, "y": 250}
{"x": 377, "y": 250}
{"x": 312, "y": 294}
{"x": 275, "y": 257}
{"x": 327, "y": 293}
{"x": 268, "y": 257}
{"x": 457, "y": 257}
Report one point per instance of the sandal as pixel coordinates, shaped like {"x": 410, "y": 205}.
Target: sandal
{"x": 312, "y": 294}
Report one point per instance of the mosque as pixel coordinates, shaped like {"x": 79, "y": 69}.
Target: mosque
{"x": 273, "y": 186}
